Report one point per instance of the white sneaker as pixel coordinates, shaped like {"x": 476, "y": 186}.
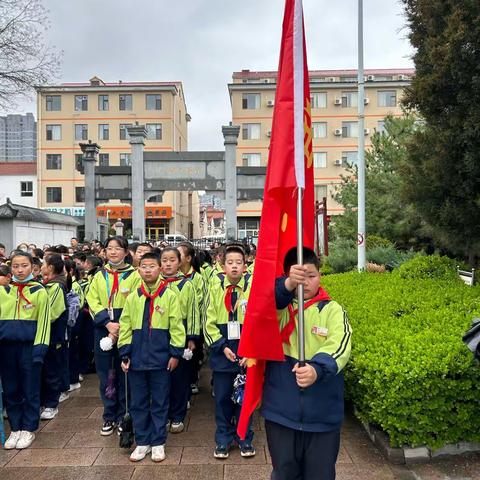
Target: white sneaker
{"x": 63, "y": 396}
{"x": 158, "y": 453}
{"x": 189, "y": 405}
{"x": 12, "y": 440}
{"x": 74, "y": 386}
{"x": 25, "y": 440}
{"x": 49, "y": 413}
{"x": 80, "y": 378}
{"x": 177, "y": 427}
{"x": 140, "y": 453}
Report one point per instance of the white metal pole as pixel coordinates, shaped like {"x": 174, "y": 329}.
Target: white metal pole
{"x": 361, "y": 235}
{"x": 300, "y": 288}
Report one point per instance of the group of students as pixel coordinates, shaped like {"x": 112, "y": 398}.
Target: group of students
{"x": 152, "y": 314}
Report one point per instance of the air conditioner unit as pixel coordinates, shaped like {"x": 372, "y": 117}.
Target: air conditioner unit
{"x": 338, "y": 163}
{"x": 402, "y": 77}
{"x": 366, "y": 101}
{"x": 330, "y": 79}
{"x": 269, "y": 133}
{"x": 338, "y": 132}
{"x": 338, "y": 101}
{"x": 270, "y": 103}
{"x": 366, "y": 131}
{"x": 370, "y": 77}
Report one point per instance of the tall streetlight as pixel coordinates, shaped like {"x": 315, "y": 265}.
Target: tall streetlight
{"x": 361, "y": 234}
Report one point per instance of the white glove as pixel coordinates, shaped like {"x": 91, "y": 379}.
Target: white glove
{"x": 106, "y": 344}
{"x": 187, "y": 354}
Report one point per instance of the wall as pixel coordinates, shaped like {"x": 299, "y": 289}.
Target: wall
{"x": 10, "y": 188}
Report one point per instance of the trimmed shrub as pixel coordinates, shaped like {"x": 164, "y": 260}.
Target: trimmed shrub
{"x": 431, "y": 266}
{"x": 374, "y": 241}
{"x": 388, "y": 256}
{"x": 410, "y": 373}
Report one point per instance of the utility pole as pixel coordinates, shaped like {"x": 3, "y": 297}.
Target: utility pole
{"x": 361, "y": 234}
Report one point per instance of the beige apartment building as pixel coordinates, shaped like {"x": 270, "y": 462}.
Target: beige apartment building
{"x": 334, "y": 123}
{"x": 72, "y": 113}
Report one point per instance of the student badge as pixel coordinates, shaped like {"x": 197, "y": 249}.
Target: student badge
{"x": 159, "y": 309}
{"x": 125, "y": 291}
{"x": 320, "y": 331}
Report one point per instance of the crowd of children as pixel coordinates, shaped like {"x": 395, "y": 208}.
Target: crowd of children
{"x": 148, "y": 316}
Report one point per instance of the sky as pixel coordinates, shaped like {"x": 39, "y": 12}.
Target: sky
{"x": 202, "y": 42}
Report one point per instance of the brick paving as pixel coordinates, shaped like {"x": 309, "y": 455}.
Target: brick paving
{"x": 70, "y": 448}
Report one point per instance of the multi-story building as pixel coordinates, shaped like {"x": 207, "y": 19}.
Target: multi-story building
{"x": 18, "y": 182}
{"x": 72, "y": 113}
{"x": 18, "y": 138}
{"x": 334, "y": 123}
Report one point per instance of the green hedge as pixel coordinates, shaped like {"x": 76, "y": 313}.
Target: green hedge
{"x": 410, "y": 373}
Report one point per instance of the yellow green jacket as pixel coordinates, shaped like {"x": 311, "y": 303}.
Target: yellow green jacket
{"x": 151, "y": 348}
{"x": 26, "y": 322}
{"x": 58, "y": 312}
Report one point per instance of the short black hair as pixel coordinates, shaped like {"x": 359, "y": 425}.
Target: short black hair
{"x": 173, "y": 250}
{"x": 36, "y": 261}
{"x": 2, "y": 245}
{"x": 5, "y": 270}
{"x": 150, "y": 256}
{"x": 55, "y": 260}
{"x": 133, "y": 246}
{"x": 144, "y": 244}
{"x": 309, "y": 258}
{"x": 80, "y": 256}
{"x": 38, "y": 252}
{"x": 21, "y": 253}
{"x": 235, "y": 249}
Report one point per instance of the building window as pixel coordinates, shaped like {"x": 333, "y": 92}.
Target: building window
{"x": 349, "y": 129}
{"x": 54, "y": 161}
{"x": 26, "y": 189}
{"x": 125, "y": 102}
{"x": 79, "y": 194}
{"x": 125, "y": 159}
{"x": 54, "y": 132}
{"x": 103, "y": 159}
{"x": 320, "y": 192}
{"x": 53, "y": 103}
{"x": 248, "y": 227}
{"x": 54, "y": 194}
{"x": 318, "y": 100}
{"x": 103, "y": 102}
{"x": 350, "y": 158}
{"x": 387, "y": 98}
{"x": 103, "y": 131}
{"x": 320, "y": 159}
{"x": 154, "y": 131}
{"x": 81, "y": 103}
{"x": 123, "y": 131}
{"x": 381, "y": 127}
{"x": 79, "y": 162}
{"x": 319, "y": 129}
{"x": 349, "y": 99}
{"x": 250, "y": 101}
{"x": 251, "y": 159}
{"x": 81, "y": 131}
{"x": 251, "y": 131}
{"x": 153, "y": 102}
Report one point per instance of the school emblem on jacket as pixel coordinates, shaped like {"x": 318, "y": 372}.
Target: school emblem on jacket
{"x": 159, "y": 309}
{"x": 243, "y": 306}
{"x": 28, "y": 306}
{"x": 320, "y": 331}
{"x": 125, "y": 291}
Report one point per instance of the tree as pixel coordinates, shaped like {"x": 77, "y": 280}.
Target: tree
{"x": 25, "y": 59}
{"x": 386, "y": 215}
{"x": 442, "y": 169}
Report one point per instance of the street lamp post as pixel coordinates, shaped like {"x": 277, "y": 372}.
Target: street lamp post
{"x": 90, "y": 151}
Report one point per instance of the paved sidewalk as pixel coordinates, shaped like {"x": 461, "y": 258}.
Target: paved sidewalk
{"x": 70, "y": 447}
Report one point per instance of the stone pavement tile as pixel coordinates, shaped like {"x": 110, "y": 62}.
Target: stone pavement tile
{"x": 92, "y": 439}
{"x": 73, "y": 425}
{"x": 6, "y": 456}
{"x": 120, "y": 456}
{"x": 204, "y": 455}
{"x": 29, "y": 473}
{"x": 44, "y": 457}
{"x": 191, "y": 439}
{"x": 364, "y": 472}
{"x": 176, "y": 472}
{"x": 200, "y": 424}
{"x": 84, "y": 402}
{"x": 97, "y": 413}
{"x": 85, "y": 391}
{"x": 361, "y": 450}
{"x": 51, "y": 440}
{"x": 343, "y": 456}
{"x": 87, "y": 473}
{"x": 458, "y": 467}
{"x": 75, "y": 412}
{"x": 248, "y": 472}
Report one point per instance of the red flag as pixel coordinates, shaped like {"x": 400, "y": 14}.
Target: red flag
{"x": 290, "y": 166}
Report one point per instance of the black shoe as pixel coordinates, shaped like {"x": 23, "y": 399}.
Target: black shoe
{"x": 221, "y": 451}
{"x": 247, "y": 450}
{"x": 108, "y": 428}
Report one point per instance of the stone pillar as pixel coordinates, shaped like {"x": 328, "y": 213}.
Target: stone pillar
{"x": 90, "y": 151}
{"x": 118, "y": 226}
{"x": 230, "y": 135}
{"x": 137, "y": 135}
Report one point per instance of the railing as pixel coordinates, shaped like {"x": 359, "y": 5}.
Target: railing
{"x": 468, "y": 277}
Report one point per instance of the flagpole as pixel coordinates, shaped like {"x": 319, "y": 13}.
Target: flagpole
{"x": 300, "y": 288}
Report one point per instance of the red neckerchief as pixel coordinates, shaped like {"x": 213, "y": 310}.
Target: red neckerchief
{"x": 190, "y": 274}
{"x": 115, "y": 285}
{"x": 288, "y": 329}
{"x": 228, "y": 298}
{"x": 152, "y": 297}
{"x": 22, "y": 296}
